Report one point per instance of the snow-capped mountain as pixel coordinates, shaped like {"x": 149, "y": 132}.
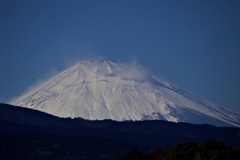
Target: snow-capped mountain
{"x": 104, "y": 89}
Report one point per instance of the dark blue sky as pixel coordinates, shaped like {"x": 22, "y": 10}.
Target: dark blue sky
{"x": 195, "y": 44}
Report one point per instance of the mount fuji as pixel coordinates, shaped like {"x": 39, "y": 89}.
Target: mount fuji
{"x": 105, "y": 89}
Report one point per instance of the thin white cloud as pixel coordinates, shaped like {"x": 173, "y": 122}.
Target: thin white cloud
{"x": 133, "y": 71}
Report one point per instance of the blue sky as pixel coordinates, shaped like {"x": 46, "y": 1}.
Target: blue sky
{"x": 194, "y": 44}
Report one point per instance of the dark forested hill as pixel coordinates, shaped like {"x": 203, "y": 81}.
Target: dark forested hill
{"x": 34, "y": 133}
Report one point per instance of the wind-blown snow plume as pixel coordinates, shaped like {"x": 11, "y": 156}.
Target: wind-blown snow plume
{"x": 133, "y": 71}
{"x": 104, "y": 89}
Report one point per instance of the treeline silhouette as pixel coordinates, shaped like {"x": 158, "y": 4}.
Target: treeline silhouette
{"x": 42, "y": 146}
{"x": 207, "y": 150}
{"x": 30, "y": 134}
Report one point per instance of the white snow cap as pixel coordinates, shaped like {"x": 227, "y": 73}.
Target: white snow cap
{"x": 117, "y": 90}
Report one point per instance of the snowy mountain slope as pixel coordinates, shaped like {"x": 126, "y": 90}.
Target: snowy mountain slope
{"x": 105, "y": 89}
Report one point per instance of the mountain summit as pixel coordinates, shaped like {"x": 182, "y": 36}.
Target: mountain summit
{"x": 105, "y": 89}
